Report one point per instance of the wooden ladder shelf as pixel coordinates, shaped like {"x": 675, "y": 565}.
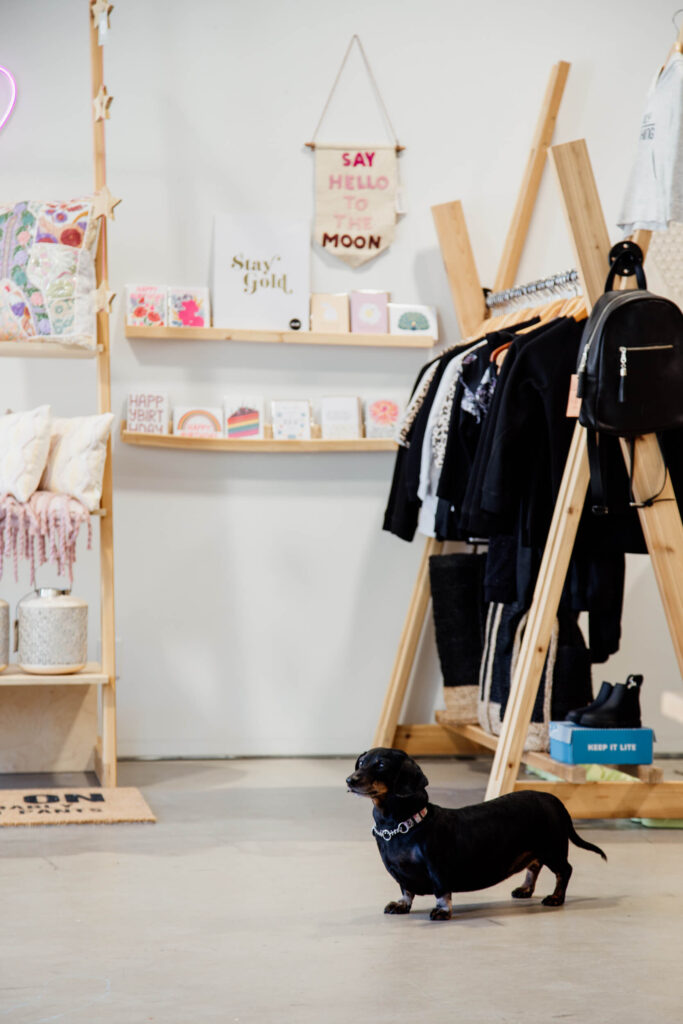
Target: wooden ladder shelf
{"x": 53, "y": 723}
{"x": 647, "y": 796}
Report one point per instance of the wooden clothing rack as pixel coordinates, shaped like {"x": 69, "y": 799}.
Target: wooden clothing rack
{"x": 648, "y": 796}
{"x": 53, "y": 723}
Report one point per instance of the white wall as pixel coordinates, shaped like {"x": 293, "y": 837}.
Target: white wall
{"x": 258, "y": 602}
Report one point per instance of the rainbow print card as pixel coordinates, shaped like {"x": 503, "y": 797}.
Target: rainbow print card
{"x": 243, "y": 418}
{"x": 194, "y": 421}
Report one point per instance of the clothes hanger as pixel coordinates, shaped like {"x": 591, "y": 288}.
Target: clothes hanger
{"x": 678, "y": 45}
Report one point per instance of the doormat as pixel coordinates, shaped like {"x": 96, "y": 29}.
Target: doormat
{"x": 73, "y": 806}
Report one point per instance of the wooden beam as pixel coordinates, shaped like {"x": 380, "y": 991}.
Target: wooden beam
{"x": 614, "y": 799}
{"x": 107, "y": 623}
{"x": 663, "y": 531}
{"x": 590, "y": 240}
{"x": 531, "y": 180}
{"x": 461, "y": 270}
{"x": 546, "y": 600}
{"x": 583, "y": 212}
{"x": 407, "y": 648}
{"x": 432, "y": 741}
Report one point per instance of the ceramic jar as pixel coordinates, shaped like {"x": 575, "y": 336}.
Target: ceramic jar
{"x": 52, "y": 630}
{"x": 4, "y": 634}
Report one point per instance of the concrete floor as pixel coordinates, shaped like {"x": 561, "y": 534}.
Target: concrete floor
{"x": 258, "y": 896}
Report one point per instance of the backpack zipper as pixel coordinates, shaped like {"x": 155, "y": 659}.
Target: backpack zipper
{"x": 623, "y": 366}
{"x": 619, "y": 300}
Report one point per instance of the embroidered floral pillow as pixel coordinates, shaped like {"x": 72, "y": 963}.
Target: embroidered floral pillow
{"x": 47, "y": 272}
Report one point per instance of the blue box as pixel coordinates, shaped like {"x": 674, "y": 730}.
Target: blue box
{"x": 579, "y": 744}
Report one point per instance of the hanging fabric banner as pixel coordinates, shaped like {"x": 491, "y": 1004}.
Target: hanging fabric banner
{"x": 356, "y": 187}
{"x": 355, "y": 200}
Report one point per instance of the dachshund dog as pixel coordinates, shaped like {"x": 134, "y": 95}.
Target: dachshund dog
{"x": 430, "y": 849}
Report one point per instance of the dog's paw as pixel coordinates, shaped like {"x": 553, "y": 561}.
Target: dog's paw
{"x": 397, "y": 907}
{"x": 553, "y": 901}
{"x": 522, "y": 892}
{"x": 440, "y": 914}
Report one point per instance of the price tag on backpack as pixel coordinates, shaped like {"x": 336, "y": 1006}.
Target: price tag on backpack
{"x": 574, "y": 402}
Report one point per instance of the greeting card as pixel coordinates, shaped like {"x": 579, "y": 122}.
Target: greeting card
{"x": 381, "y": 417}
{"x": 261, "y": 273}
{"x": 148, "y": 412}
{"x": 406, "y": 319}
{"x": 340, "y": 418}
{"x": 191, "y": 421}
{"x": 145, "y": 305}
{"x": 243, "y": 417}
{"x": 330, "y": 314}
{"x": 291, "y": 420}
{"x": 188, "y": 307}
{"x": 369, "y": 312}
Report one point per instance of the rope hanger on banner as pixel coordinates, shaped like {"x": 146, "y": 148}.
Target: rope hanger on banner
{"x": 356, "y": 39}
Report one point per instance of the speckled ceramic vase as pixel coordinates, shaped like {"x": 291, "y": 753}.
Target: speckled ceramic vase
{"x": 4, "y": 634}
{"x": 53, "y": 632}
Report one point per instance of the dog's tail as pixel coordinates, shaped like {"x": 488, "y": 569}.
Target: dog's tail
{"x": 578, "y": 841}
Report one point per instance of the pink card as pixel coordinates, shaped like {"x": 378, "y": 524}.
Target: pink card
{"x": 369, "y": 312}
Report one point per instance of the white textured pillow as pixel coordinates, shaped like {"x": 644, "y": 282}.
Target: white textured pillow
{"x": 24, "y": 445}
{"x": 78, "y": 450}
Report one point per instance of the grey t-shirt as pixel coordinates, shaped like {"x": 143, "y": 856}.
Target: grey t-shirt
{"x": 654, "y": 195}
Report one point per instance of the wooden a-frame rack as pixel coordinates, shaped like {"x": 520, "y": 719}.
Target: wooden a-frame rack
{"x": 53, "y": 723}
{"x": 647, "y": 796}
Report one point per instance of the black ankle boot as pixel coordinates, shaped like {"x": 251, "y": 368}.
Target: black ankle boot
{"x": 575, "y": 715}
{"x": 621, "y": 710}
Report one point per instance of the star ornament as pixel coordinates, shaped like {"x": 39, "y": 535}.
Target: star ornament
{"x": 102, "y": 103}
{"x": 100, "y": 11}
{"x": 103, "y": 298}
{"x": 104, "y": 203}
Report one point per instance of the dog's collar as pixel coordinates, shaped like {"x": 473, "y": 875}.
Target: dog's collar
{"x": 401, "y": 828}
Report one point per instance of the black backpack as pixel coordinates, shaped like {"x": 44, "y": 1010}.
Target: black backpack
{"x": 630, "y": 367}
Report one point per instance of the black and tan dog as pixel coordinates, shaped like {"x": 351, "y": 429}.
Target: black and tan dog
{"x": 430, "y": 849}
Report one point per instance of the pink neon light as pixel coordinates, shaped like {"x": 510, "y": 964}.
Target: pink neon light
{"x": 13, "y": 95}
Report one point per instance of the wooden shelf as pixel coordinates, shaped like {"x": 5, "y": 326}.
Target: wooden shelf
{"x": 280, "y": 337}
{"x": 91, "y": 675}
{"x": 44, "y": 350}
{"x": 266, "y": 444}
{"x": 541, "y": 761}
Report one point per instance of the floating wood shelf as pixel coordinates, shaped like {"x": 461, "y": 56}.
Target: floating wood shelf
{"x": 91, "y": 675}
{"x": 266, "y": 444}
{"x": 45, "y": 350}
{"x": 282, "y": 337}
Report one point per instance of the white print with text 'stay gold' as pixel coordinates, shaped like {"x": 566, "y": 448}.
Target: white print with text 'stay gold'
{"x": 355, "y": 201}
{"x": 260, "y": 274}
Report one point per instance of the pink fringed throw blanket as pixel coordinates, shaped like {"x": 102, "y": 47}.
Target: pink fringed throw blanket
{"x": 43, "y": 529}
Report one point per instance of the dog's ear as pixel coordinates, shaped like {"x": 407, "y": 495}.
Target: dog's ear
{"x": 410, "y": 779}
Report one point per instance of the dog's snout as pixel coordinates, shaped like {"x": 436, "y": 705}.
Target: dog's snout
{"x": 351, "y": 779}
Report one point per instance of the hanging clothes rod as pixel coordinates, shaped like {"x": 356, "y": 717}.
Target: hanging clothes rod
{"x": 554, "y": 283}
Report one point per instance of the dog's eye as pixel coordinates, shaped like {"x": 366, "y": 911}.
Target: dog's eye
{"x": 380, "y": 766}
